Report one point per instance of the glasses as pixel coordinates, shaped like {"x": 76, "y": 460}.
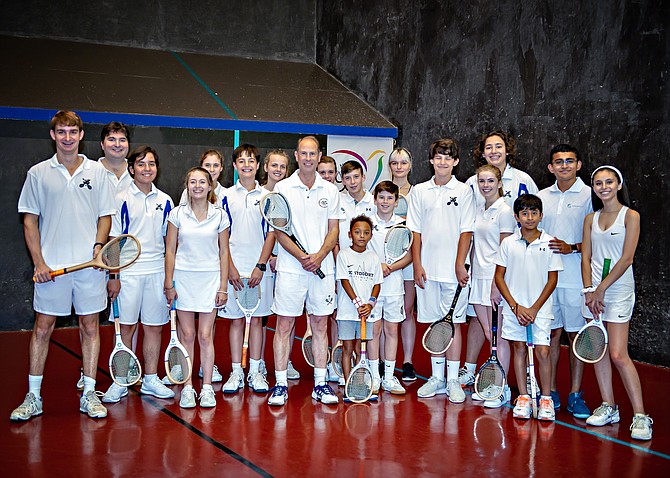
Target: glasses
{"x": 561, "y": 162}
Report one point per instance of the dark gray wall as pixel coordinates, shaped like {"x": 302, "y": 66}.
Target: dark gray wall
{"x": 589, "y": 73}
{"x": 271, "y": 29}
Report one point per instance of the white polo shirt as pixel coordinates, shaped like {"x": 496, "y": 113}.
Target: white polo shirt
{"x": 145, "y": 217}
{"x": 563, "y": 216}
{"x": 310, "y": 211}
{"x": 118, "y": 184}
{"x": 527, "y": 270}
{"x": 198, "y": 242}
{"x": 441, "y": 214}
{"x": 68, "y": 208}
{"x": 394, "y": 282}
{"x": 247, "y": 227}
{"x": 489, "y": 224}
{"x": 514, "y": 182}
{"x": 351, "y": 209}
{"x": 363, "y": 271}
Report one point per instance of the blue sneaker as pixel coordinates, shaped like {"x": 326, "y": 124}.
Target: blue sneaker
{"x": 556, "y": 398}
{"x": 279, "y": 395}
{"x": 577, "y": 406}
{"x": 324, "y": 394}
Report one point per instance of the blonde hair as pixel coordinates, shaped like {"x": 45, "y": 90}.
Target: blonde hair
{"x": 211, "y": 197}
{"x": 496, "y": 172}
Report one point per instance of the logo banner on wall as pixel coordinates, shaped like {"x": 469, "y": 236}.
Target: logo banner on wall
{"x": 372, "y": 153}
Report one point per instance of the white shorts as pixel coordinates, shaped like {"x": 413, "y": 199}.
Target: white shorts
{"x": 295, "y": 292}
{"x": 85, "y": 289}
{"x": 232, "y": 311}
{"x": 351, "y": 329}
{"x": 480, "y": 292}
{"x": 408, "y": 272}
{"x": 434, "y": 301}
{"x": 197, "y": 290}
{"x": 617, "y": 311}
{"x": 142, "y": 296}
{"x": 390, "y": 308}
{"x": 512, "y": 330}
{"x": 568, "y": 310}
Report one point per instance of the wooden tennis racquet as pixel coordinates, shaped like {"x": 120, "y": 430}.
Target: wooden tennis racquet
{"x": 177, "y": 361}
{"x": 490, "y": 380}
{"x": 590, "y": 344}
{"x": 397, "y": 243}
{"x": 248, "y": 299}
{"x": 124, "y": 366}
{"x": 358, "y": 387}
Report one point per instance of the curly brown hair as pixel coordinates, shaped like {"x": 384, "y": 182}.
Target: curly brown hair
{"x": 510, "y": 147}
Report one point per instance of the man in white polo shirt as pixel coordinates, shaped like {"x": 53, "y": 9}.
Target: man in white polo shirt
{"x": 115, "y": 144}
{"x": 67, "y": 205}
{"x": 315, "y": 213}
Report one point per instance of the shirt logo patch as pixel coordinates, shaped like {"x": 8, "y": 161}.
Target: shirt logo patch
{"x": 159, "y": 207}
{"x": 452, "y": 200}
{"x": 85, "y": 183}
{"x": 329, "y": 299}
{"x": 508, "y": 194}
{"x": 323, "y": 202}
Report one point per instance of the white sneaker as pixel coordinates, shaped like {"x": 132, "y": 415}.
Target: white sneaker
{"x": 331, "y": 375}
{"x": 216, "y": 376}
{"x": 324, "y": 394}
{"x": 465, "y": 377}
{"x": 455, "y": 391}
{"x": 603, "y": 415}
{"x": 341, "y": 382}
{"x": 156, "y": 388}
{"x": 258, "y": 383}
{"x": 279, "y": 396}
{"x": 291, "y": 372}
{"x": 31, "y": 407}
{"x": 640, "y": 429}
{"x": 262, "y": 368}
{"x": 477, "y": 397}
{"x": 504, "y": 398}
{"x": 207, "y": 398}
{"x": 80, "y": 382}
{"x": 235, "y": 382}
{"x": 187, "y": 399}
{"x": 393, "y": 386}
{"x": 434, "y": 386}
{"x": 546, "y": 410}
{"x": 376, "y": 383}
{"x": 523, "y": 408}
{"x": 115, "y": 393}
{"x": 175, "y": 372}
{"x": 90, "y": 403}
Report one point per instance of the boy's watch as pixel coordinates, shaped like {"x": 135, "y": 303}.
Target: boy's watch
{"x": 261, "y": 267}
{"x": 573, "y": 248}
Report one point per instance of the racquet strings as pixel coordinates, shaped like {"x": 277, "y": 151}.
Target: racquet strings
{"x": 490, "y": 381}
{"x": 590, "y": 344}
{"x": 119, "y": 253}
{"x": 124, "y": 367}
{"x": 177, "y": 364}
{"x": 307, "y": 350}
{"x": 401, "y": 207}
{"x": 276, "y": 210}
{"x": 248, "y": 296}
{"x": 359, "y": 385}
{"x": 438, "y": 337}
{"x": 398, "y": 242}
{"x": 337, "y": 361}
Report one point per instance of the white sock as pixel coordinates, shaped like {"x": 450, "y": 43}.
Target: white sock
{"x": 150, "y": 377}
{"x": 437, "y": 364}
{"x": 280, "y": 377}
{"x": 374, "y": 365}
{"x": 319, "y": 376}
{"x": 35, "y": 384}
{"x": 254, "y": 366}
{"x": 207, "y": 386}
{"x": 89, "y": 384}
{"x": 389, "y": 369}
{"x": 452, "y": 369}
{"x": 470, "y": 367}
{"x": 237, "y": 367}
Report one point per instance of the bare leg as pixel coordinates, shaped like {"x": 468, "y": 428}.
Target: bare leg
{"x": 576, "y": 367}
{"x": 236, "y": 336}
{"x": 186, "y": 326}
{"x": 282, "y": 341}
{"x": 408, "y": 326}
{"x": 151, "y": 347}
{"x": 475, "y": 340}
{"x": 618, "y": 353}
{"x": 255, "y": 338}
{"x": 555, "y": 355}
{"x": 206, "y": 341}
{"x": 543, "y": 358}
{"x": 39, "y": 342}
{"x": 520, "y": 361}
{"x": 319, "y": 325}
{"x": 90, "y": 347}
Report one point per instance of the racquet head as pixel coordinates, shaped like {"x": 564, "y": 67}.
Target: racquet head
{"x": 490, "y": 380}
{"x": 124, "y": 366}
{"x": 438, "y": 337}
{"x": 397, "y": 243}
{"x": 276, "y": 211}
{"x": 590, "y": 344}
{"x": 177, "y": 361}
{"x": 247, "y": 298}
{"x": 337, "y": 359}
{"x": 307, "y": 351}
{"x": 401, "y": 207}
{"x": 120, "y": 252}
{"x": 358, "y": 388}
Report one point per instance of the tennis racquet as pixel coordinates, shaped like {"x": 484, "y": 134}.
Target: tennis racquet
{"x": 124, "y": 366}
{"x": 277, "y": 212}
{"x": 591, "y": 341}
{"x": 306, "y": 345}
{"x": 397, "y": 243}
{"x": 531, "y": 368}
{"x": 177, "y": 361}
{"x": 358, "y": 387}
{"x": 117, "y": 254}
{"x": 401, "y": 207}
{"x": 439, "y": 335}
{"x": 337, "y": 359}
{"x": 490, "y": 380}
{"x": 248, "y": 299}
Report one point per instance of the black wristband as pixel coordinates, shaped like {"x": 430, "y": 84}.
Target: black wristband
{"x": 98, "y": 244}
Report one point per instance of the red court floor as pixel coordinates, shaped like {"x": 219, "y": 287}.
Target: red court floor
{"x": 243, "y": 436}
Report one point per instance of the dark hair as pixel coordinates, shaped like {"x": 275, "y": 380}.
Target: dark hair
{"x": 114, "y": 127}
{"x": 621, "y": 194}
{"x": 563, "y": 148}
{"x": 527, "y": 201}
{"x": 211, "y": 197}
{"x": 350, "y": 166}
{"x": 139, "y": 154}
{"x": 250, "y": 149}
{"x": 389, "y": 187}
{"x": 66, "y": 118}
{"x": 510, "y": 147}
{"x": 446, "y": 146}
{"x": 361, "y": 218}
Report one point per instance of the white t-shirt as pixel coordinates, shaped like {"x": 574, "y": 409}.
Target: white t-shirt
{"x": 198, "y": 242}
{"x": 393, "y": 283}
{"x": 514, "y": 183}
{"x": 489, "y": 224}
{"x": 527, "y": 269}
{"x": 351, "y": 209}
{"x": 608, "y": 244}
{"x": 145, "y": 217}
{"x": 247, "y": 228}
{"x": 118, "y": 184}
{"x": 310, "y": 211}
{"x": 68, "y": 207}
{"x": 363, "y": 271}
{"x": 563, "y": 216}
{"x": 441, "y": 214}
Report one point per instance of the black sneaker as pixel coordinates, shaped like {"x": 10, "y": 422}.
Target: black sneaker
{"x": 408, "y": 373}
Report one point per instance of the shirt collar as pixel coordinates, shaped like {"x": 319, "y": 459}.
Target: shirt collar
{"x": 575, "y": 188}
{"x": 137, "y": 192}
{"x": 238, "y": 185}
{"x": 450, "y": 185}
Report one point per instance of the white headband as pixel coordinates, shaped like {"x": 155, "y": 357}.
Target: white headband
{"x": 618, "y": 173}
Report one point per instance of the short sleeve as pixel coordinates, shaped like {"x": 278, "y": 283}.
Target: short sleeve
{"x": 506, "y": 221}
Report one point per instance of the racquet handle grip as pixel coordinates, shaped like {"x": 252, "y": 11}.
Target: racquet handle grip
{"x": 57, "y": 273}
{"x": 320, "y": 273}
{"x": 244, "y": 357}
